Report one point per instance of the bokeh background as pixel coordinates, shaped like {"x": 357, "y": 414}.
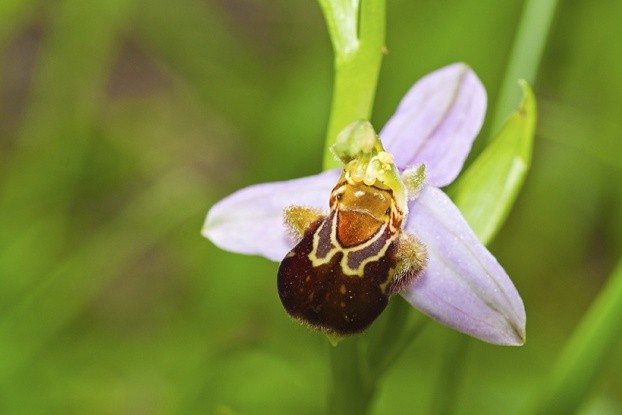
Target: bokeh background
{"x": 123, "y": 121}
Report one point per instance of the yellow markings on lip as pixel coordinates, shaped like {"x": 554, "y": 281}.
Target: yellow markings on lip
{"x": 364, "y": 221}
{"x": 337, "y": 247}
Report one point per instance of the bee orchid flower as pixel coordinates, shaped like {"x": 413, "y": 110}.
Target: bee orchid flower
{"x": 454, "y": 279}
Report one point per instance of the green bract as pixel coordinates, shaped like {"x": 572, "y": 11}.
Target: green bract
{"x": 486, "y": 191}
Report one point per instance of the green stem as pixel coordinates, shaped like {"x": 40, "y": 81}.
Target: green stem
{"x": 526, "y": 54}
{"x": 452, "y": 368}
{"x": 357, "y": 367}
{"x": 357, "y": 62}
{"x": 352, "y": 388}
{"x": 585, "y": 353}
{"x": 388, "y": 345}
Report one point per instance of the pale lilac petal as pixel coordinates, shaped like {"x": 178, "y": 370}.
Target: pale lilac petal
{"x": 250, "y": 221}
{"x": 436, "y": 123}
{"x": 463, "y": 285}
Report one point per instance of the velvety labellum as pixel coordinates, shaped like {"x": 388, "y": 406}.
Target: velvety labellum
{"x": 339, "y": 277}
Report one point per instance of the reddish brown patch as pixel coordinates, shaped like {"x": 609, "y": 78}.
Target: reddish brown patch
{"x": 328, "y": 300}
{"x": 355, "y": 227}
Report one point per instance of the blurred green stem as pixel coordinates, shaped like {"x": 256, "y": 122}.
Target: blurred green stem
{"x": 357, "y": 30}
{"x": 353, "y": 389}
{"x": 575, "y": 371}
{"x": 386, "y": 347}
{"x": 524, "y": 61}
{"x": 451, "y": 372}
{"x": 358, "y": 366}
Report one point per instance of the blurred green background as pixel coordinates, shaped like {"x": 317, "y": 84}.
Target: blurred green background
{"x": 123, "y": 121}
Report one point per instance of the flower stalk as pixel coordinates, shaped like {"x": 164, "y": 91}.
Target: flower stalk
{"x": 352, "y": 389}
{"x": 357, "y": 31}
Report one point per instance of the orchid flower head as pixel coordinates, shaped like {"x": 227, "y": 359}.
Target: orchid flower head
{"x": 439, "y": 266}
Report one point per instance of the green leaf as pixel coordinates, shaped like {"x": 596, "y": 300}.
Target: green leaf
{"x": 575, "y": 372}
{"x": 533, "y": 31}
{"x": 487, "y": 190}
